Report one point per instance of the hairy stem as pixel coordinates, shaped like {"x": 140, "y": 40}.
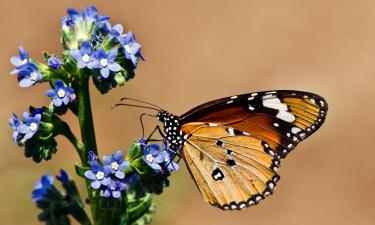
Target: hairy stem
{"x": 88, "y": 135}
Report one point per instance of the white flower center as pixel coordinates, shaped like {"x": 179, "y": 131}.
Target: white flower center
{"x": 113, "y": 186}
{"x": 33, "y": 76}
{"x": 104, "y": 62}
{"x": 61, "y": 93}
{"x": 33, "y": 127}
{"x": 115, "y": 166}
{"x": 86, "y": 58}
{"x": 149, "y": 158}
{"x": 128, "y": 48}
{"x": 167, "y": 159}
{"x": 99, "y": 175}
{"x": 23, "y": 62}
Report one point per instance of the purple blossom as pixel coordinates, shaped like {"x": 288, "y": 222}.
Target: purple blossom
{"x": 153, "y": 157}
{"x": 99, "y": 175}
{"x": 61, "y": 94}
{"x": 132, "y": 49}
{"x": 54, "y": 62}
{"x": 14, "y": 122}
{"x": 29, "y": 75}
{"x": 117, "y": 164}
{"x": 114, "y": 189}
{"x": 105, "y": 61}
{"x": 41, "y": 187}
{"x": 168, "y": 156}
{"x": 20, "y": 61}
{"x": 83, "y": 55}
{"x": 30, "y": 126}
{"x": 64, "y": 177}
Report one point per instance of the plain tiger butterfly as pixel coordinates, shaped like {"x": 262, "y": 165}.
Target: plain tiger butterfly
{"x": 233, "y": 146}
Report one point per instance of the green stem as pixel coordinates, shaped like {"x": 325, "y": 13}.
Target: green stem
{"x": 85, "y": 116}
{"x": 88, "y": 136}
{"x": 79, "y": 146}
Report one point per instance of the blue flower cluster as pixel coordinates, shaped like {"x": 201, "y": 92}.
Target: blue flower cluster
{"x": 159, "y": 160}
{"x": 108, "y": 179}
{"x": 28, "y": 72}
{"x": 26, "y": 129}
{"x": 95, "y": 31}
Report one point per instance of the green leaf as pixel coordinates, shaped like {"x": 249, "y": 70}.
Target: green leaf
{"x": 80, "y": 170}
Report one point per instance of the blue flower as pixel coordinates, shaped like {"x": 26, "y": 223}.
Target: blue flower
{"x": 41, "y": 187}
{"x": 29, "y": 75}
{"x": 153, "y": 157}
{"x": 61, "y": 94}
{"x": 132, "y": 49}
{"x": 105, "y": 61}
{"x": 30, "y": 126}
{"x": 64, "y": 177}
{"x": 99, "y": 175}
{"x": 20, "y": 61}
{"x": 116, "y": 30}
{"x": 117, "y": 164}
{"x": 83, "y": 55}
{"x": 14, "y": 122}
{"x": 114, "y": 189}
{"x": 168, "y": 156}
{"x": 54, "y": 62}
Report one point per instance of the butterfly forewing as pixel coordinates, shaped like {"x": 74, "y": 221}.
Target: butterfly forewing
{"x": 280, "y": 118}
{"x": 232, "y": 169}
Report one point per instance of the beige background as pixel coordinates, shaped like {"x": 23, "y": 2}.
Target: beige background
{"x": 201, "y": 50}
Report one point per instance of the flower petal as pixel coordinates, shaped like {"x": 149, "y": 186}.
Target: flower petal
{"x": 95, "y": 184}
{"x": 120, "y": 175}
{"x": 90, "y": 175}
{"x": 115, "y": 67}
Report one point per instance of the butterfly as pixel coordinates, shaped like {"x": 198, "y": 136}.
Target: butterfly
{"x": 233, "y": 146}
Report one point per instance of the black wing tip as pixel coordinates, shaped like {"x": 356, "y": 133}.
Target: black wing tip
{"x": 253, "y": 200}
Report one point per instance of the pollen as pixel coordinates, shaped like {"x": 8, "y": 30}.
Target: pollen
{"x": 86, "y": 58}
{"x": 104, "y": 62}
{"x": 33, "y": 76}
{"x": 99, "y": 175}
{"x": 149, "y": 158}
{"x": 128, "y": 48}
{"x": 61, "y": 93}
{"x": 115, "y": 166}
{"x": 33, "y": 127}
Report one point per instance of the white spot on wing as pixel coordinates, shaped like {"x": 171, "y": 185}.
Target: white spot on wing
{"x": 234, "y": 97}
{"x": 275, "y": 103}
{"x": 295, "y": 130}
{"x": 254, "y": 94}
{"x": 286, "y": 116}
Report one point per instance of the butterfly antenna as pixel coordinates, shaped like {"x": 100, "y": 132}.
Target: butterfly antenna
{"x": 132, "y": 105}
{"x": 144, "y": 102}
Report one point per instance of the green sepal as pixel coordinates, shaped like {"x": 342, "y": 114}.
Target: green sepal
{"x": 140, "y": 208}
{"x": 46, "y": 55}
{"x": 69, "y": 63}
{"x": 80, "y": 170}
{"x": 135, "y": 152}
{"x": 120, "y": 78}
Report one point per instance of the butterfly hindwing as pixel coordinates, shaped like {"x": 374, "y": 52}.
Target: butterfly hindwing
{"x": 232, "y": 169}
{"x": 281, "y": 118}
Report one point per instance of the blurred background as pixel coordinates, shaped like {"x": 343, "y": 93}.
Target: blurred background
{"x": 198, "y": 51}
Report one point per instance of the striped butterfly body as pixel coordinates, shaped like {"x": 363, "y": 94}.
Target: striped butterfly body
{"x": 233, "y": 146}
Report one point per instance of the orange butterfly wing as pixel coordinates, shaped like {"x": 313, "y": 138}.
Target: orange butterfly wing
{"x": 281, "y": 118}
{"x": 232, "y": 169}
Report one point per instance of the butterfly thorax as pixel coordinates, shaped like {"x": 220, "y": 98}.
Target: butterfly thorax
{"x": 172, "y": 126}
